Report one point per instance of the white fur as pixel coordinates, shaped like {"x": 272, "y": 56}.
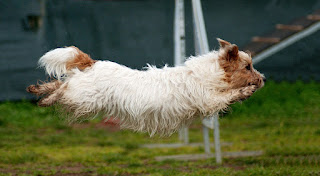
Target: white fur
{"x": 55, "y": 61}
{"x": 154, "y": 100}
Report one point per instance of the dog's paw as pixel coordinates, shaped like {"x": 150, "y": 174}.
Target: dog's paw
{"x": 32, "y": 89}
{"x": 248, "y": 91}
{"x": 242, "y": 94}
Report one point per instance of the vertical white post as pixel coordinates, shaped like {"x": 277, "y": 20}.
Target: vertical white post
{"x": 217, "y": 139}
{"x": 202, "y": 47}
{"x": 179, "y": 33}
{"x": 206, "y": 139}
{"x": 199, "y": 28}
{"x": 186, "y": 135}
{"x": 179, "y": 49}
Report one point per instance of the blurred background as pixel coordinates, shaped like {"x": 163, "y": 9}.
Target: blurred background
{"x": 134, "y": 33}
{"x": 282, "y": 119}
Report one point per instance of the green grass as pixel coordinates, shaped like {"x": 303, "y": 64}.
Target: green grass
{"x": 282, "y": 119}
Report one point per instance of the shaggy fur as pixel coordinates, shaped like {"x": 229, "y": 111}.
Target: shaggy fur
{"x": 155, "y": 100}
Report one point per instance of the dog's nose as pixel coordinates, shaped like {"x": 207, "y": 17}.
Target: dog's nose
{"x": 264, "y": 79}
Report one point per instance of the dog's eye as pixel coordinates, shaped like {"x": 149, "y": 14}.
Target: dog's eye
{"x": 248, "y": 67}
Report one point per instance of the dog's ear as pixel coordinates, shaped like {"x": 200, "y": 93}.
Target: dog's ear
{"x": 223, "y": 43}
{"x": 231, "y": 49}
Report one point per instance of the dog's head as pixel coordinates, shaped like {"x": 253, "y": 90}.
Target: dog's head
{"x": 237, "y": 65}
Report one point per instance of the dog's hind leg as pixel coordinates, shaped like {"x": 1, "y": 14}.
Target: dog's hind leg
{"x": 45, "y": 88}
{"x": 52, "y": 98}
{"x": 49, "y": 100}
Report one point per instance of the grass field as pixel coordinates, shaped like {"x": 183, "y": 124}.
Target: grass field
{"x": 282, "y": 119}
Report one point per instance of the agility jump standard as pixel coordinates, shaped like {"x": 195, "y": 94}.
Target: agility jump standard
{"x": 201, "y": 47}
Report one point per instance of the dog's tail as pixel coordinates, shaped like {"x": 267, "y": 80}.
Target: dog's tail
{"x": 60, "y": 61}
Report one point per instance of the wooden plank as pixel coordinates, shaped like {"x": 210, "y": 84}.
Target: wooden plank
{"x": 289, "y": 27}
{"x": 313, "y": 17}
{"x": 303, "y": 21}
{"x": 256, "y": 47}
{"x": 266, "y": 39}
{"x": 189, "y": 157}
{"x": 280, "y": 34}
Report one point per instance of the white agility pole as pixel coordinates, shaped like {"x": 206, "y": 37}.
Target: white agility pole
{"x": 179, "y": 33}
{"x": 180, "y": 50}
{"x": 202, "y": 47}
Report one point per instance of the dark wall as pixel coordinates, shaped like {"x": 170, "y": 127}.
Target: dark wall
{"x": 134, "y": 33}
{"x": 19, "y": 48}
{"x": 129, "y": 32}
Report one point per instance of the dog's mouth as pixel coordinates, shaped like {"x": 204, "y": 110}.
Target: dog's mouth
{"x": 258, "y": 83}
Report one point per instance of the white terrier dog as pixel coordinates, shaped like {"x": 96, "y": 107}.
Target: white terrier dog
{"x": 155, "y": 100}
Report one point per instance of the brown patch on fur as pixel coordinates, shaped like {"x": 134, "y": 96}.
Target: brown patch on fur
{"x": 80, "y": 61}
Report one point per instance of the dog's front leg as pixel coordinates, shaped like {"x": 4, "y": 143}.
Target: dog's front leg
{"x": 241, "y": 93}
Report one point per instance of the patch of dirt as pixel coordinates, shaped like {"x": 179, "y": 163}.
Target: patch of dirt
{"x": 213, "y": 167}
{"x": 235, "y": 167}
{"x": 65, "y": 170}
{"x": 8, "y": 171}
{"x": 111, "y": 125}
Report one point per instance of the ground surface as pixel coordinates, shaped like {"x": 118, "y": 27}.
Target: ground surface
{"x": 282, "y": 119}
